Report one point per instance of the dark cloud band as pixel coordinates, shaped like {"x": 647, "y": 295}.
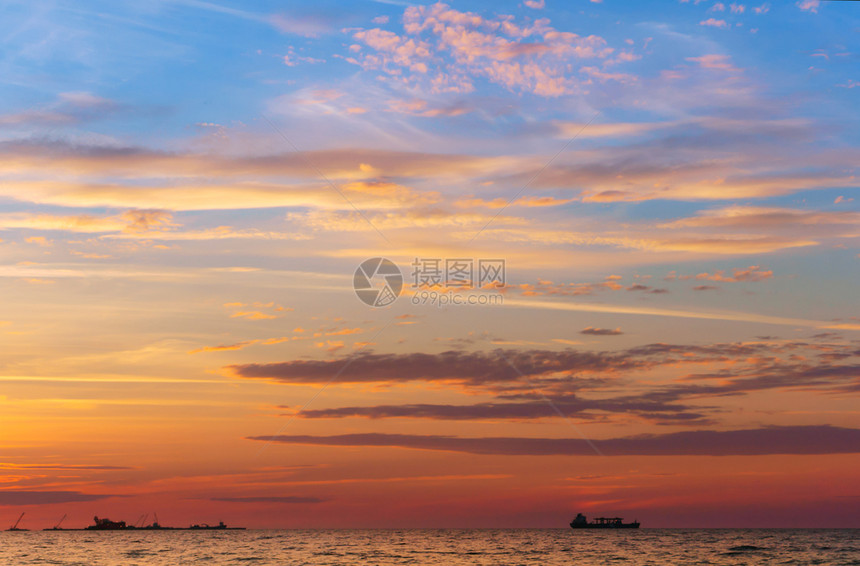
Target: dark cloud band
{"x": 800, "y": 440}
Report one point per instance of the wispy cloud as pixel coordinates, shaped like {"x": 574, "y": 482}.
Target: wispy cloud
{"x": 764, "y": 441}
{"x": 280, "y": 499}
{"x": 16, "y": 498}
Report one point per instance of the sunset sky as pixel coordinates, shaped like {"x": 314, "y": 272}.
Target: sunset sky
{"x": 188, "y": 187}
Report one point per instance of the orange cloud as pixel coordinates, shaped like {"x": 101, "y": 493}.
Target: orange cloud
{"x": 752, "y": 273}
{"x": 252, "y": 315}
{"x": 238, "y": 345}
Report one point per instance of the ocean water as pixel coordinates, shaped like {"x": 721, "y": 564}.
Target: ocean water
{"x": 547, "y": 547}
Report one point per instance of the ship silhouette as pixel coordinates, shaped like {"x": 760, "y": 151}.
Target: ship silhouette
{"x": 57, "y": 527}
{"x": 15, "y": 528}
{"x": 108, "y": 525}
{"x": 102, "y": 524}
{"x": 581, "y": 522}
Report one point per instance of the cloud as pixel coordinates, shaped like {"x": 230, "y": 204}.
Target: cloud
{"x": 253, "y": 315}
{"x": 809, "y": 5}
{"x": 305, "y": 25}
{"x": 444, "y": 50}
{"x": 217, "y": 233}
{"x": 650, "y": 410}
{"x": 751, "y": 274}
{"x": 336, "y": 221}
{"x": 70, "y": 108}
{"x": 514, "y": 374}
{"x": 721, "y": 370}
{"x": 145, "y": 220}
{"x": 601, "y": 75}
{"x": 39, "y": 241}
{"x": 799, "y": 440}
{"x": 541, "y": 201}
{"x": 748, "y": 217}
{"x": 651, "y": 241}
{"x": 420, "y": 107}
{"x": 261, "y": 311}
{"x": 549, "y": 288}
{"x": 678, "y": 313}
{"x": 535, "y": 4}
{"x": 21, "y": 497}
{"x": 82, "y": 223}
{"x": 396, "y": 50}
{"x": 130, "y": 177}
{"x": 291, "y": 59}
{"x": 96, "y": 467}
{"x": 714, "y": 23}
{"x": 238, "y": 345}
{"x": 452, "y": 366}
{"x": 618, "y": 129}
{"x": 206, "y": 196}
{"x": 733, "y": 230}
{"x": 601, "y": 331}
{"x": 132, "y": 162}
{"x": 290, "y": 499}
{"x": 714, "y": 61}
{"x": 705, "y": 158}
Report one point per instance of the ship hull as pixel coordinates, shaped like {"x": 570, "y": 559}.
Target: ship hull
{"x": 621, "y": 526}
{"x": 148, "y": 529}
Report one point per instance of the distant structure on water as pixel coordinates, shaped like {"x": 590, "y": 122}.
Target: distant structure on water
{"x": 219, "y": 526}
{"x": 581, "y": 522}
{"x": 100, "y": 524}
{"x": 108, "y": 525}
{"x": 15, "y": 526}
{"x": 57, "y": 527}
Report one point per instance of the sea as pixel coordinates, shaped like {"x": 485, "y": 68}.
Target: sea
{"x": 546, "y": 547}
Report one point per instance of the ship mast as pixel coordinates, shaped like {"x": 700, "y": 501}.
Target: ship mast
{"x": 15, "y": 526}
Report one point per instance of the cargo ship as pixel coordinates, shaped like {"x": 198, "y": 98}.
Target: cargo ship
{"x": 581, "y": 522}
{"x": 219, "y": 526}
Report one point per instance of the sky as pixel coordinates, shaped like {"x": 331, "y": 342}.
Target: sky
{"x": 189, "y": 191}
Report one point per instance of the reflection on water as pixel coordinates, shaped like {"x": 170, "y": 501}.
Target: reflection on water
{"x": 442, "y": 547}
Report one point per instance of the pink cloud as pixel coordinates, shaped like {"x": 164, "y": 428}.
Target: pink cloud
{"x": 713, "y": 61}
{"x": 809, "y": 5}
{"x": 446, "y": 49}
